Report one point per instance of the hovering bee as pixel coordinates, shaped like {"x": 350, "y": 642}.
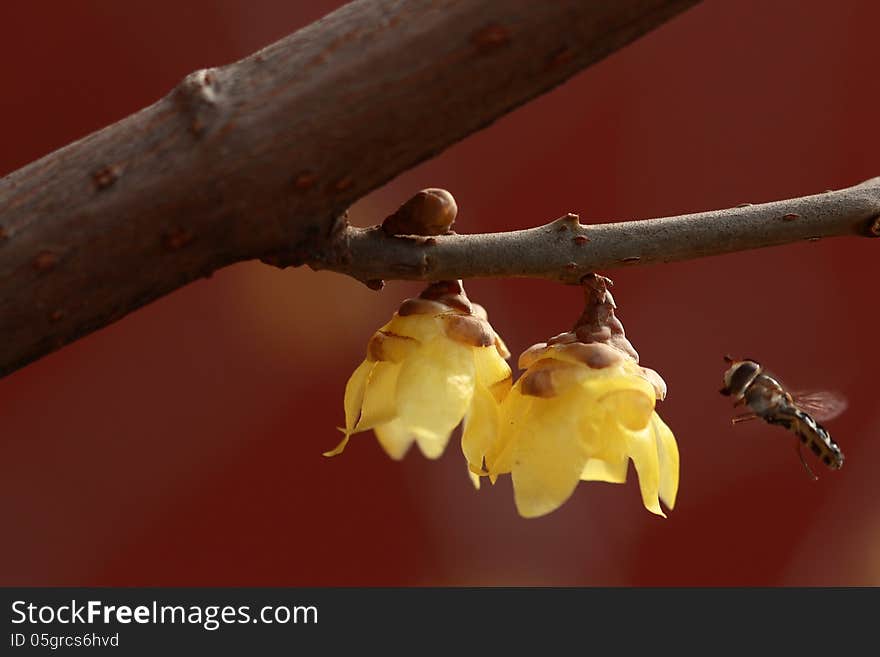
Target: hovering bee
{"x": 748, "y": 383}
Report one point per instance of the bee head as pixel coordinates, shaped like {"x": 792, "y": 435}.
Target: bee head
{"x": 739, "y": 376}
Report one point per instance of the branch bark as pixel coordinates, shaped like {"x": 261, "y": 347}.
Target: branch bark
{"x": 260, "y": 157}
{"x": 565, "y": 250}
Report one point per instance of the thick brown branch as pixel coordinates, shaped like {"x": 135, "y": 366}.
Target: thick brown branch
{"x": 260, "y": 156}
{"x": 565, "y": 249}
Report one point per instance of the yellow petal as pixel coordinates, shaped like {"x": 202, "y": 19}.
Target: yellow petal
{"x": 379, "y": 407}
{"x": 394, "y": 438}
{"x": 642, "y": 448}
{"x": 354, "y": 395}
{"x": 601, "y": 431}
{"x": 491, "y": 369}
{"x": 655, "y": 380}
{"x": 340, "y": 447}
{"x": 631, "y": 408}
{"x": 550, "y": 378}
{"x": 480, "y": 427}
{"x": 434, "y": 390}
{"x": 613, "y": 472}
{"x": 638, "y": 413}
{"x": 667, "y": 453}
{"x": 421, "y": 327}
{"x": 431, "y": 443}
{"x": 549, "y": 455}
{"x": 514, "y": 412}
{"x": 624, "y": 374}
{"x": 500, "y": 389}
{"x": 387, "y": 346}
{"x": 475, "y": 479}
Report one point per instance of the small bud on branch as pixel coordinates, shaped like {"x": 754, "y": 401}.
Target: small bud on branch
{"x": 566, "y": 249}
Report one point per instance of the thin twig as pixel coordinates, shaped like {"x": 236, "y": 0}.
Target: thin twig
{"x": 565, "y": 249}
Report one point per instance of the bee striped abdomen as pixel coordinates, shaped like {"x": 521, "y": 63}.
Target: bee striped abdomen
{"x": 812, "y": 434}
{"x": 817, "y": 438}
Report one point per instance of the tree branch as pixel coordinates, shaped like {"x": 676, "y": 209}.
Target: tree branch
{"x": 565, "y": 250}
{"x": 262, "y": 156}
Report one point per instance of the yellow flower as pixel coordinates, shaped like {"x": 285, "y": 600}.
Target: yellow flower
{"x": 437, "y": 362}
{"x": 581, "y": 412}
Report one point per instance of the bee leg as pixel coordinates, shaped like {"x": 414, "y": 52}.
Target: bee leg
{"x": 800, "y": 453}
{"x": 744, "y": 417}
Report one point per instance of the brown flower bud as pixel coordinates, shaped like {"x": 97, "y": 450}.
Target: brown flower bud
{"x": 430, "y": 212}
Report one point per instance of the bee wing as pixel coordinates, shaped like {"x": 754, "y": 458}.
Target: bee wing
{"x": 822, "y": 405}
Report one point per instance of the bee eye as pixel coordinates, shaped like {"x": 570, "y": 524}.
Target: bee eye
{"x": 742, "y": 375}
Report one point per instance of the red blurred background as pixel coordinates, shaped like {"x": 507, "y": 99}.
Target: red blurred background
{"x": 182, "y": 445}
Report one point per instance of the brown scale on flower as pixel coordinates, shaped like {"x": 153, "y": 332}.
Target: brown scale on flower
{"x": 469, "y": 330}
{"x": 563, "y": 338}
{"x": 501, "y": 347}
{"x": 597, "y": 340}
{"x": 420, "y": 307}
{"x": 538, "y": 383}
{"x": 478, "y": 311}
{"x": 597, "y": 323}
{"x": 463, "y": 321}
{"x": 547, "y": 378}
{"x": 450, "y": 293}
{"x": 596, "y": 356}
{"x": 390, "y": 347}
